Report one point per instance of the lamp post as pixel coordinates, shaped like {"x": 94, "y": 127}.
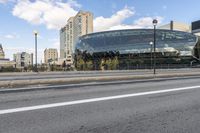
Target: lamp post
{"x": 154, "y": 44}
{"x": 151, "y": 44}
{"x": 36, "y": 34}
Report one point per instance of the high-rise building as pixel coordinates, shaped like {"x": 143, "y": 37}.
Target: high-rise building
{"x": 63, "y": 35}
{"x": 66, "y": 40}
{"x": 76, "y": 26}
{"x": 178, "y": 26}
{"x": 50, "y": 55}
{"x": 23, "y": 59}
{"x": 83, "y": 24}
{"x": 69, "y": 40}
{"x": 2, "y": 55}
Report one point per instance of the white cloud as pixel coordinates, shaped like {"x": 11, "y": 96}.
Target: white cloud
{"x": 146, "y": 22}
{"x": 115, "y": 22}
{"x": 10, "y": 36}
{"x": 164, "y": 7}
{"x": 101, "y": 23}
{"x": 52, "y": 13}
{"x": 6, "y": 1}
{"x": 3, "y": 1}
{"x": 74, "y": 3}
{"x": 124, "y": 26}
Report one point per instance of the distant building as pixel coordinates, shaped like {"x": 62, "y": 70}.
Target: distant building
{"x": 6, "y": 63}
{"x": 196, "y": 27}
{"x": 2, "y": 54}
{"x": 76, "y": 26}
{"x": 50, "y": 55}
{"x": 178, "y": 26}
{"x": 3, "y": 61}
{"x": 23, "y": 59}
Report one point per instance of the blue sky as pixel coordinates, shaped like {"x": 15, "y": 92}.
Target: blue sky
{"x": 18, "y": 18}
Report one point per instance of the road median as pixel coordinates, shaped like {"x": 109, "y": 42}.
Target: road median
{"x": 14, "y": 83}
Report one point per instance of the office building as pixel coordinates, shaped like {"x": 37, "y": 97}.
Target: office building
{"x": 50, "y": 55}
{"x": 76, "y": 26}
{"x": 3, "y": 61}
{"x": 178, "y": 26}
{"x": 131, "y": 49}
{"x": 23, "y": 59}
{"x": 196, "y": 28}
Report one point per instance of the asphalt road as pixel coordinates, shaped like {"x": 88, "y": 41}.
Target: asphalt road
{"x": 169, "y": 106}
{"x": 73, "y": 74}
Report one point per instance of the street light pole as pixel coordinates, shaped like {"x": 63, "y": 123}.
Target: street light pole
{"x": 151, "y": 44}
{"x": 154, "y": 44}
{"x": 36, "y": 34}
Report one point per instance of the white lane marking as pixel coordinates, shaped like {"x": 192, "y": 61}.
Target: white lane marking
{"x": 30, "y": 108}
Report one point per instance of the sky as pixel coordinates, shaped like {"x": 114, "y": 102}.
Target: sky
{"x": 19, "y": 18}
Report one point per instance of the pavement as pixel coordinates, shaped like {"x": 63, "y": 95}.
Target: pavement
{"x": 165, "y": 106}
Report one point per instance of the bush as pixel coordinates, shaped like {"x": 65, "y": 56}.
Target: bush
{"x": 9, "y": 69}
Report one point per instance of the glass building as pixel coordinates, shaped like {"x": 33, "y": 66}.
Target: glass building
{"x": 132, "y": 49}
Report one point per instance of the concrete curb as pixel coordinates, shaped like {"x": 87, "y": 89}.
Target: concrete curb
{"x": 68, "y": 86}
{"x": 69, "y": 80}
{"x": 86, "y": 72}
{"x": 104, "y": 80}
{"x": 68, "y": 72}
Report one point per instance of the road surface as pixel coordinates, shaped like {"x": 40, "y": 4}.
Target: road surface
{"x": 168, "y": 106}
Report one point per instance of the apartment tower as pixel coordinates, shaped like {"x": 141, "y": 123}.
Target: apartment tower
{"x": 76, "y": 26}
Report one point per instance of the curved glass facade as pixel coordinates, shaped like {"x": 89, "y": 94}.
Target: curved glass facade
{"x": 133, "y": 47}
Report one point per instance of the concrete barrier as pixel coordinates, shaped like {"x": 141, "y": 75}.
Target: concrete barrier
{"x": 14, "y": 83}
